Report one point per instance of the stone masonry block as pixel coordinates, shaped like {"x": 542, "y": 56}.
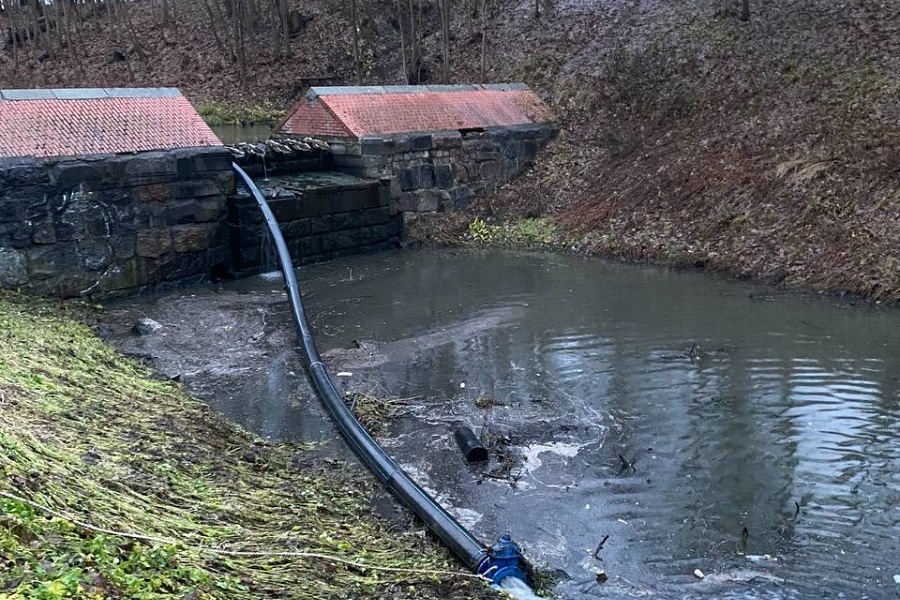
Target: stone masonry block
{"x": 201, "y": 160}
{"x": 446, "y": 139}
{"x": 405, "y": 180}
{"x": 52, "y": 260}
{"x": 443, "y": 176}
{"x": 491, "y": 170}
{"x": 150, "y": 165}
{"x": 348, "y": 200}
{"x": 156, "y": 192}
{"x": 153, "y": 243}
{"x": 44, "y": 233}
{"x": 296, "y": 229}
{"x": 420, "y": 142}
{"x": 190, "y": 238}
{"x": 13, "y": 268}
{"x": 93, "y": 254}
{"x": 84, "y": 174}
{"x": 15, "y": 235}
{"x": 16, "y": 172}
{"x": 196, "y": 188}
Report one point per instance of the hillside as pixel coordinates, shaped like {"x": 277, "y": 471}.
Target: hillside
{"x": 766, "y": 148}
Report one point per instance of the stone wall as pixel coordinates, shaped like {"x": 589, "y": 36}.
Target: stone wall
{"x": 436, "y": 172}
{"x": 322, "y": 215}
{"x": 107, "y": 224}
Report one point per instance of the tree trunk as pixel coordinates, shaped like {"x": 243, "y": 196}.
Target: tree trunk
{"x": 402, "y": 39}
{"x": 166, "y": 17}
{"x": 355, "y": 23}
{"x": 130, "y": 28}
{"x": 238, "y": 38}
{"x": 483, "y": 40}
{"x": 745, "y": 10}
{"x": 285, "y": 14}
{"x": 413, "y": 44}
{"x": 16, "y": 39}
{"x": 445, "y": 28}
{"x": 212, "y": 26}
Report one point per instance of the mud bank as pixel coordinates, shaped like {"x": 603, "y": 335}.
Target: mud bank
{"x": 118, "y": 484}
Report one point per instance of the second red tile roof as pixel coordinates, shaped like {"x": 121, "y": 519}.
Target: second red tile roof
{"x": 360, "y": 111}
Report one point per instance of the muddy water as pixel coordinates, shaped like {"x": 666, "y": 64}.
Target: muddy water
{"x": 700, "y": 424}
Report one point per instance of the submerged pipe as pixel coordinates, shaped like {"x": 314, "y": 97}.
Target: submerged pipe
{"x": 503, "y": 558}
{"x": 470, "y": 445}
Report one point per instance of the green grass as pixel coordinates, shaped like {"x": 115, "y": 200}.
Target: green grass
{"x": 522, "y": 233}
{"x": 92, "y": 437}
{"x": 219, "y": 113}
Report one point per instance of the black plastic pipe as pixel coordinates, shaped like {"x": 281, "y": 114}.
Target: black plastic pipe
{"x": 470, "y": 445}
{"x": 462, "y": 543}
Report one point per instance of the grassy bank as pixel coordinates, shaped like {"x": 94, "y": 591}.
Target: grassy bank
{"x": 225, "y": 113}
{"x": 118, "y": 485}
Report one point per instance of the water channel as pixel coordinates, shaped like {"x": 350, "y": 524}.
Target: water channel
{"x": 692, "y": 423}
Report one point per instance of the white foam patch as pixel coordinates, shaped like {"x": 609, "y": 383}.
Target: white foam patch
{"x": 533, "y": 452}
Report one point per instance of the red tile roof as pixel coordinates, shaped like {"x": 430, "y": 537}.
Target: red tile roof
{"x": 45, "y": 123}
{"x": 360, "y": 111}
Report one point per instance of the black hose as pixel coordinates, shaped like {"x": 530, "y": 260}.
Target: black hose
{"x": 462, "y": 543}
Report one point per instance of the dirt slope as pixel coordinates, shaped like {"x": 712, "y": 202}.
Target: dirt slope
{"x": 768, "y": 148}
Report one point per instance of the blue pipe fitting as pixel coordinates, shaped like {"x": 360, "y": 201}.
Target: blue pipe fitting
{"x": 503, "y": 560}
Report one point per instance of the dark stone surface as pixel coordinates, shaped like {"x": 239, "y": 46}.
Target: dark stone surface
{"x": 443, "y": 176}
{"x": 349, "y": 200}
{"x": 423, "y": 176}
{"x": 405, "y": 179}
{"x": 461, "y": 197}
{"x": 15, "y": 235}
{"x": 13, "y": 271}
{"x": 420, "y": 142}
{"x": 44, "y": 233}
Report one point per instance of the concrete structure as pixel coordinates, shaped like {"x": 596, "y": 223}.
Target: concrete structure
{"x": 106, "y": 190}
{"x": 436, "y": 146}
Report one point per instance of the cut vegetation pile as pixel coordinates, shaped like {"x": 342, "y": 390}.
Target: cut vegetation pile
{"x": 117, "y": 485}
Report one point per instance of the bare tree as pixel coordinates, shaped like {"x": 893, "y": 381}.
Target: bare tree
{"x": 212, "y": 24}
{"x": 445, "y": 29}
{"x": 414, "y": 45}
{"x": 483, "y": 40}
{"x": 399, "y": 10}
{"x": 355, "y": 19}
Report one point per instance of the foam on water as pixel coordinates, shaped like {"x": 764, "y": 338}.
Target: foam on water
{"x": 518, "y": 588}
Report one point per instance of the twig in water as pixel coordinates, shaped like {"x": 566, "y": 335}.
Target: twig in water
{"x": 626, "y": 464}
{"x": 600, "y": 547}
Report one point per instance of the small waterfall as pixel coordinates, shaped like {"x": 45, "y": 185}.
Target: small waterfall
{"x": 268, "y": 255}
{"x": 518, "y": 588}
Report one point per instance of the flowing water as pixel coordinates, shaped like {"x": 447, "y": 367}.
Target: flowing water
{"x": 651, "y": 424}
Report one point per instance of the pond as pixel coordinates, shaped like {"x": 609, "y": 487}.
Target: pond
{"x": 688, "y": 423}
